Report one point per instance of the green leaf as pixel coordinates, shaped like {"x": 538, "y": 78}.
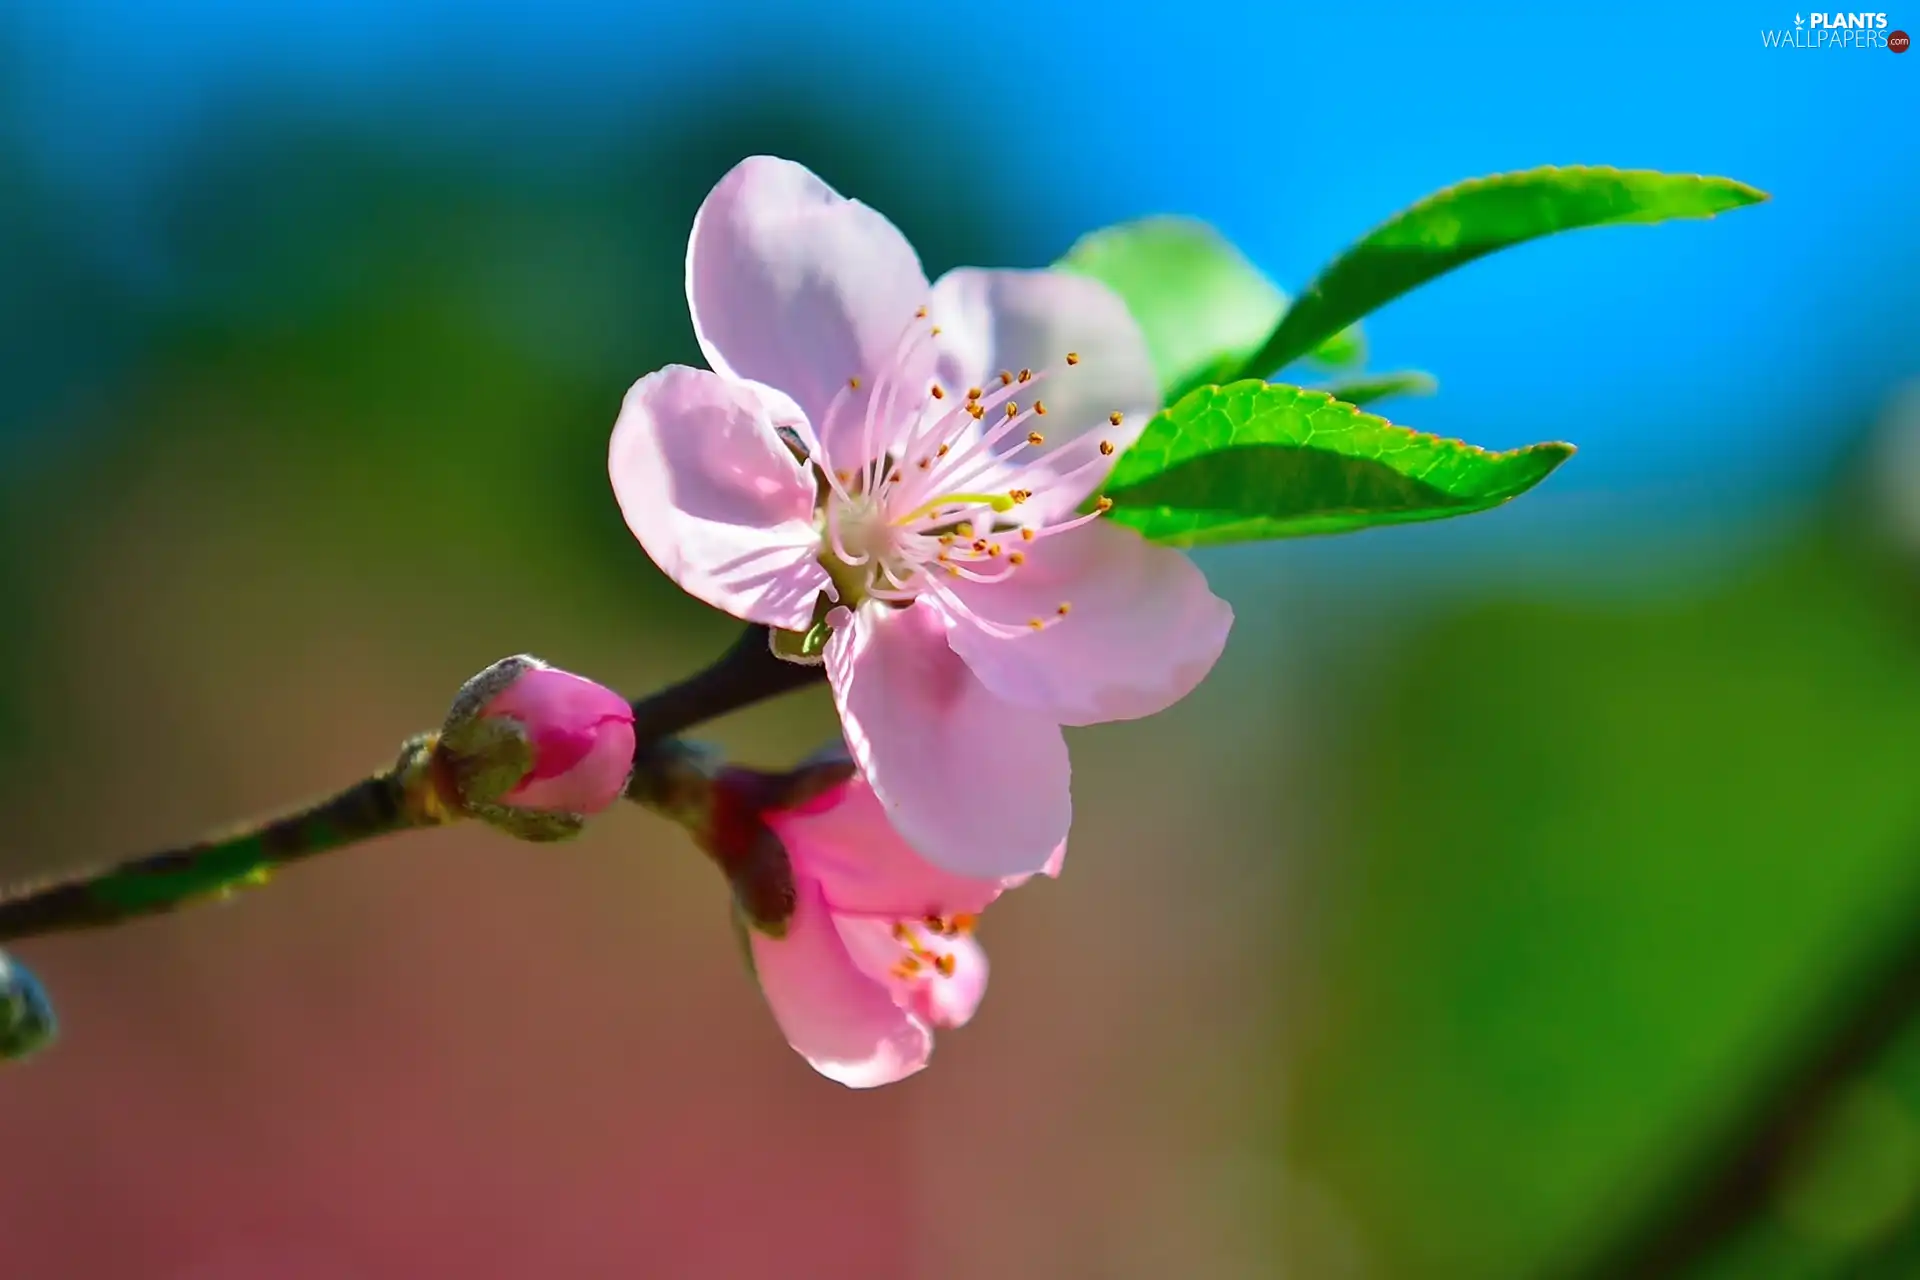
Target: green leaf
{"x": 1346, "y": 349}
{"x": 1256, "y": 460}
{"x": 1202, "y": 306}
{"x": 1475, "y": 218}
{"x": 1367, "y": 388}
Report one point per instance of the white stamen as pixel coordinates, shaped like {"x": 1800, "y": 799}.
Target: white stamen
{"x": 932, "y": 504}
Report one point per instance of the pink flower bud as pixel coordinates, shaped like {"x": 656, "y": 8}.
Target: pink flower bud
{"x": 582, "y": 739}
{"x": 534, "y": 751}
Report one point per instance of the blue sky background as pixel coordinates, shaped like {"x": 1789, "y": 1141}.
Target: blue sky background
{"x": 1692, "y": 360}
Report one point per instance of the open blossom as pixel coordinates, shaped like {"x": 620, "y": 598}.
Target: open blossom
{"x": 879, "y": 951}
{"x": 928, "y": 456}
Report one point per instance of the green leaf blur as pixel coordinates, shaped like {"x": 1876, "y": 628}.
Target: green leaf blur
{"x": 1203, "y": 307}
{"x": 1370, "y": 387}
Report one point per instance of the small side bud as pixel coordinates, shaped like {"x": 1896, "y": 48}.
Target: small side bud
{"x": 534, "y": 750}
{"x": 27, "y": 1024}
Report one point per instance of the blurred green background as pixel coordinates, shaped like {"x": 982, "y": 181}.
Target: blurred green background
{"x": 1495, "y": 874}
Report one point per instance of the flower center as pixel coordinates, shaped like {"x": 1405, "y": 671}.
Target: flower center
{"x": 921, "y": 943}
{"x": 954, "y": 490}
{"x": 856, "y": 542}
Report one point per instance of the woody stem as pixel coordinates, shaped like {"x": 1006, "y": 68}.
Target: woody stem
{"x": 407, "y": 795}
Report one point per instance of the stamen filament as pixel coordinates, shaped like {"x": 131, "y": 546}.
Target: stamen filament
{"x": 999, "y": 502}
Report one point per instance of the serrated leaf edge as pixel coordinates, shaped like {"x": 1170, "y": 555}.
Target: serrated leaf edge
{"x": 1327, "y": 401}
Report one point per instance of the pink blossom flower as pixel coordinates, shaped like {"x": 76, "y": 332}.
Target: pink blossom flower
{"x": 879, "y": 950}
{"x": 570, "y": 740}
{"x": 922, "y": 454}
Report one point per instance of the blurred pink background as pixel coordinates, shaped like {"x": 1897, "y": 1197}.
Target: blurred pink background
{"x": 445, "y": 1053}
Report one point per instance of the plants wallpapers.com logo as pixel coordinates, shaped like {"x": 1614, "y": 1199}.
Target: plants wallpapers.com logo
{"x": 1836, "y": 31}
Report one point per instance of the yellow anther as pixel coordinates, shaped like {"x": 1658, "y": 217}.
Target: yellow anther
{"x": 1036, "y": 624}
{"x": 973, "y": 393}
{"x": 1064, "y": 608}
{"x": 1019, "y": 495}
{"x": 939, "y": 393}
{"x": 1013, "y": 408}
{"x": 964, "y": 922}
{"x": 1116, "y": 417}
{"x": 1034, "y": 437}
{"x": 1104, "y": 505}
{"x": 944, "y": 964}
{"x": 993, "y": 548}
{"x": 1026, "y": 375}
{"x": 1026, "y": 535}
{"x": 1073, "y": 357}
{"x": 1106, "y": 448}
{"x": 921, "y": 314}
{"x": 941, "y": 452}
{"x": 1018, "y": 557}
{"x": 1006, "y": 378}
{"x": 1040, "y": 407}
{"x": 978, "y": 411}
{"x": 854, "y": 383}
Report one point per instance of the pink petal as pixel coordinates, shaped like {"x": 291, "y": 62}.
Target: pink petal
{"x": 582, "y": 735}
{"x": 939, "y": 999}
{"x": 993, "y": 320}
{"x": 795, "y": 286}
{"x": 949, "y": 1000}
{"x": 977, "y": 785}
{"x": 843, "y": 1022}
{"x": 1143, "y": 629}
{"x": 1055, "y": 862}
{"x": 844, "y": 841}
{"x": 590, "y": 775}
{"x": 715, "y": 497}
{"x": 546, "y": 697}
